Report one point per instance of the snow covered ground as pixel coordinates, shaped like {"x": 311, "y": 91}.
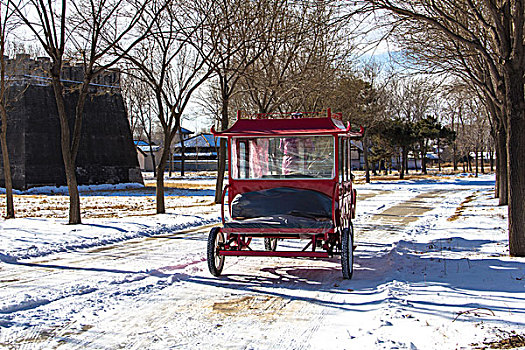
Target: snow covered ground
{"x": 431, "y": 272}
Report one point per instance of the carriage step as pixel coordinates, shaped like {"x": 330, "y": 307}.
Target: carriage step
{"x": 277, "y": 254}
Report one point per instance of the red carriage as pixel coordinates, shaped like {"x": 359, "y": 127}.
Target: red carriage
{"x": 289, "y": 178}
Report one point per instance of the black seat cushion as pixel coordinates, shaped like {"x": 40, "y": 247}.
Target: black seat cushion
{"x": 282, "y": 201}
{"x": 280, "y": 221}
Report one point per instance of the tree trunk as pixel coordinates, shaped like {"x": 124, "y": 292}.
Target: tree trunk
{"x": 182, "y": 156}
{"x": 74, "y": 196}
{"x": 79, "y": 114}
{"x": 516, "y": 158}
{"x": 439, "y": 154}
{"x": 169, "y": 162}
{"x": 221, "y": 166}
{"x": 491, "y": 160}
{"x": 481, "y": 161}
{"x": 455, "y": 156}
{"x": 153, "y": 162}
{"x": 9, "y": 206}
{"x": 402, "y": 163}
{"x": 159, "y": 191}
{"x": 498, "y": 180}
{"x": 501, "y": 166}
{"x": 423, "y": 159}
{"x": 221, "y": 169}
{"x": 69, "y": 161}
{"x": 365, "y": 158}
{"x": 10, "y": 209}
{"x": 476, "y": 152}
{"x": 454, "y": 145}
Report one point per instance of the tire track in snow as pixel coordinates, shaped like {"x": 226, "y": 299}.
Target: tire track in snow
{"x": 55, "y": 267}
{"x": 381, "y": 235}
{"x": 53, "y": 282}
{"x": 398, "y": 218}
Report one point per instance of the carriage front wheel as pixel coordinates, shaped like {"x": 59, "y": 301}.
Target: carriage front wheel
{"x": 347, "y": 252}
{"x": 215, "y": 242}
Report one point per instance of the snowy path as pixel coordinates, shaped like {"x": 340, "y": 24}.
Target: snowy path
{"x": 411, "y": 284}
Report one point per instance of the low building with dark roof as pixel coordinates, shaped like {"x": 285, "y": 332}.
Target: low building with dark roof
{"x": 198, "y": 153}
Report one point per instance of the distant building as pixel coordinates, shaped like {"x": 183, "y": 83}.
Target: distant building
{"x": 106, "y": 154}
{"x": 147, "y": 162}
{"x": 186, "y": 134}
{"x": 200, "y": 153}
{"x": 145, "y": 151}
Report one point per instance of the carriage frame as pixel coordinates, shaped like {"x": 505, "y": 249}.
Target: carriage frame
{"x": 325, "y": 238}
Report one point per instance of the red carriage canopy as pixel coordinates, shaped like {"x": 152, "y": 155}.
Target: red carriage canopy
{"x": 294, "y": 126}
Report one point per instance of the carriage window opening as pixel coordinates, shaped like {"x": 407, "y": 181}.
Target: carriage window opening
{"x": 243, "y": 160}
{"x": 344, "y": 161}
{"x": 341, "y": 176}
{"x": 285, "y": 157}
{"x": 347, "y": 160}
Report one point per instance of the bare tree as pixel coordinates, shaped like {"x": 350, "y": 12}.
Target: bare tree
{"x": 407, "y": 102}
{"x": 142, "y": 113}
{"x": 464, "y": 104}
{"x": 470, "y": 66}
{"x": 173, "y": 63}
{"x": 495, "y": 32}
{"x": 274, "y": 56}
{"x": 359, "y": 95}
{"x": 472, "y": 133}
{"x": 418, "y": 105}
{"x": 6, "y": 27}
{"x": 133, "y": 99}
{"x": 454, "y": 97}
{"x": 86, "y": 33}
{"x": 239, "y": 34}
{"x": 303, "y": 44}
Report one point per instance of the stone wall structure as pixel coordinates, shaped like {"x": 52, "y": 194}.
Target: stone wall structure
{"x": 106, "y": 154}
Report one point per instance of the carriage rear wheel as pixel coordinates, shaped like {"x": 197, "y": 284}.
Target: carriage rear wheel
{"x": 347, "y": 252}
{"x": 270, "y": 244}
{"x": 215, "y": 261}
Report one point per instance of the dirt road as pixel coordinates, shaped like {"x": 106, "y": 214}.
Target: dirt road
{"x": 157, "y": 292}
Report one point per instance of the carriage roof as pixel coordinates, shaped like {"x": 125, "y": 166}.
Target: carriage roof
{"x": 288, "y": 124}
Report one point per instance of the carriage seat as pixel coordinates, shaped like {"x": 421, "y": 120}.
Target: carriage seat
{"x": 281, "y": 207}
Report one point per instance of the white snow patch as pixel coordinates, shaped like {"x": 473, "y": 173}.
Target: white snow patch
{"x": 440, "y": 280}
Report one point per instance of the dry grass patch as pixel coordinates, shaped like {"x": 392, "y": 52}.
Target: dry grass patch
{"x": 509, "y": 341}
{"x": 99, "y": 206}
{"x": 461, "y": 208}
{"x": 361, "y": 180}
{"x": 183, "y": 185}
